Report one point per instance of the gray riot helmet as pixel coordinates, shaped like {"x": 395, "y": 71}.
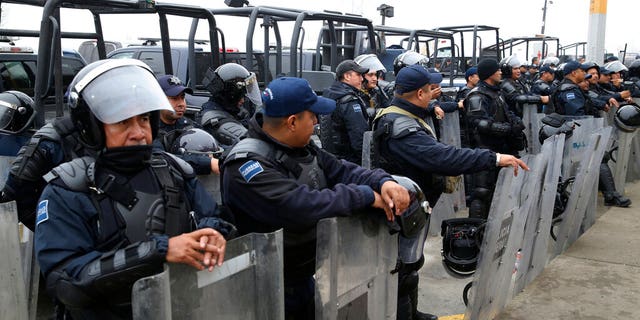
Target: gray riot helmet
{"x": 409, "y": 58}
{"x": 615, "y": 66}
{"x": 16, "y": 112}
{"x": 197, "y": 142}
{"x": 551, "y": 61}
{"x": 461, "y": 241}
{"x": 627, "y": 117}
{"x": 231, "y": 82}
{"x": 507, "y": 64}
{"x": 112, "y": 90}
{"x": 371, "y": 62}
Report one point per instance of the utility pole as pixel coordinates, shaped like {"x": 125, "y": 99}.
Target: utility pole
{"x": 544, "y": 16}
{"x": 597, "y": 26}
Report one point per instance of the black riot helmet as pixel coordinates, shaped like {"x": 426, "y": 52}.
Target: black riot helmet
{"x": 112, "y": 90}
{"x": 462, "y": 238}
{"x": 415, "y": 218}
{"x": 627, "y": 117}
{"x": 196, "y": 141}
{"x": 553, "y": 124}
{"x": 16, "y": 112}
{"x": 409, "y": 58}
{"x": 589, "y": 65}
{"x": 231, "y": 82}
{"x": 634, "y": 69}
{"x": 507, "y": 64}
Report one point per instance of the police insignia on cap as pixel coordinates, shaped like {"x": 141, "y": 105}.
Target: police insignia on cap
{"x": 250, "y": 169}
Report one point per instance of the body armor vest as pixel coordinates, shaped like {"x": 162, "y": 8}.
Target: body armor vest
{"x": 126, "y": 215}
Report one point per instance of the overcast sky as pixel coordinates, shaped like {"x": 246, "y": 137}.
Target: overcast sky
{"x": 566, "y": 19}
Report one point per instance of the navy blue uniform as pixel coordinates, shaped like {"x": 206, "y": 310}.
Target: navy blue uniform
{"x": 269, "y": 193}
{"x": 569, "y": 100}
{"x": 73, "y": 235}
{"x": 419, "y": 156}
{"x": 50, "y": 146}
{"x": 341, "y": 132}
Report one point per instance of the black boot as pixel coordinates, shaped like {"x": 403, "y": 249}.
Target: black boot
{"x": 608, "y": 187}
{"x": 417, "y": 315}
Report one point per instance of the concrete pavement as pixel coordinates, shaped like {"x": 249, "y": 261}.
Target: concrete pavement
{"x": 598, "y": 277}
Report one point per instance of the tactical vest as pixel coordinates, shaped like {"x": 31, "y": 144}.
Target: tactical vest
{"x": 309, "y": 173}
{"x": 431, "y": 184}
{"x": 558, "y": 103}
{"x": 126, "y": 215}
{"x": 333, "y": 130}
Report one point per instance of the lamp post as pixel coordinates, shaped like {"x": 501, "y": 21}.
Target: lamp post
{"x": 385, "y": 11}
{"x": 544, "y": 15}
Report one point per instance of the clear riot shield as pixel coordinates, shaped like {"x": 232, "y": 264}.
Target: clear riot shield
{"x": 531, "y": 119}
{"x": 30, "y": 274}
{"x": 443, "y": 210}
{"x": 249, "y": 285}
{"x": 450, "y": 134}
{"x": 542, "y": 183}
{"x": 354, "y": 259}
{"x": 500, "y": 244}
{"x": 584, "y": 189}
{"x": 13, "y": 296}
{"x": 622, "y": 144}
{"x": 633, "y": 168}
{"x": 211, "y": 183}
{"x": 366, "y": 149}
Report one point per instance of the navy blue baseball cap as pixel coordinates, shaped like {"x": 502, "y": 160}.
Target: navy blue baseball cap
{"x": 571, "y": 66}
{"x": 172, "y": 86}
{"x": 471, "y": 71}
{"x": 546, "y": 68}
{"x": 288, "y": 95}
{"x": 413, "y": 78}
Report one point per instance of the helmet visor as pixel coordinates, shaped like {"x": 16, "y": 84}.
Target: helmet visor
{"x": 7, "y": 111}
{"x": 124, "y": 92}
{"x": 253, "y": 91}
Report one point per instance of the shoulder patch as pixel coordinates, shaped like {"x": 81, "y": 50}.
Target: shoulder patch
{"x": 250, "y": 169}
{"x": 571, "y": 96}
{"x": 42, "y": 214}
{"x": 356, "y": 108}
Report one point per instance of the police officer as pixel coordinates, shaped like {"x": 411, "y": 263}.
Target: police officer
{"x": 372, "y": 80}
{"x": 472, "y": 79}
{"x": 544, "y": 86}
{"x": 598, "y": 98}
{"x": 174, "y": 124}
{"x": 406, "y": 145}
{"x": 571, "y": 101}
{"x": 341, "y": 131}
{"x": 53, "y": 144}
{"x": 515, "y": 91}
{"x": 493, "y": 126}
{"x": 175, "y": 92}
{"x": 276, "y": 178}
{"x": 102, "y": 224}
{"x": 568, "y": 99}
{"x": 234, "y": 98}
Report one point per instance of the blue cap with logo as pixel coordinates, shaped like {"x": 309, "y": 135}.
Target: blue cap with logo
{"x": 172, "y": 86}
{"x": 413, "y": 78}
{"x": 288, "y": 95}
